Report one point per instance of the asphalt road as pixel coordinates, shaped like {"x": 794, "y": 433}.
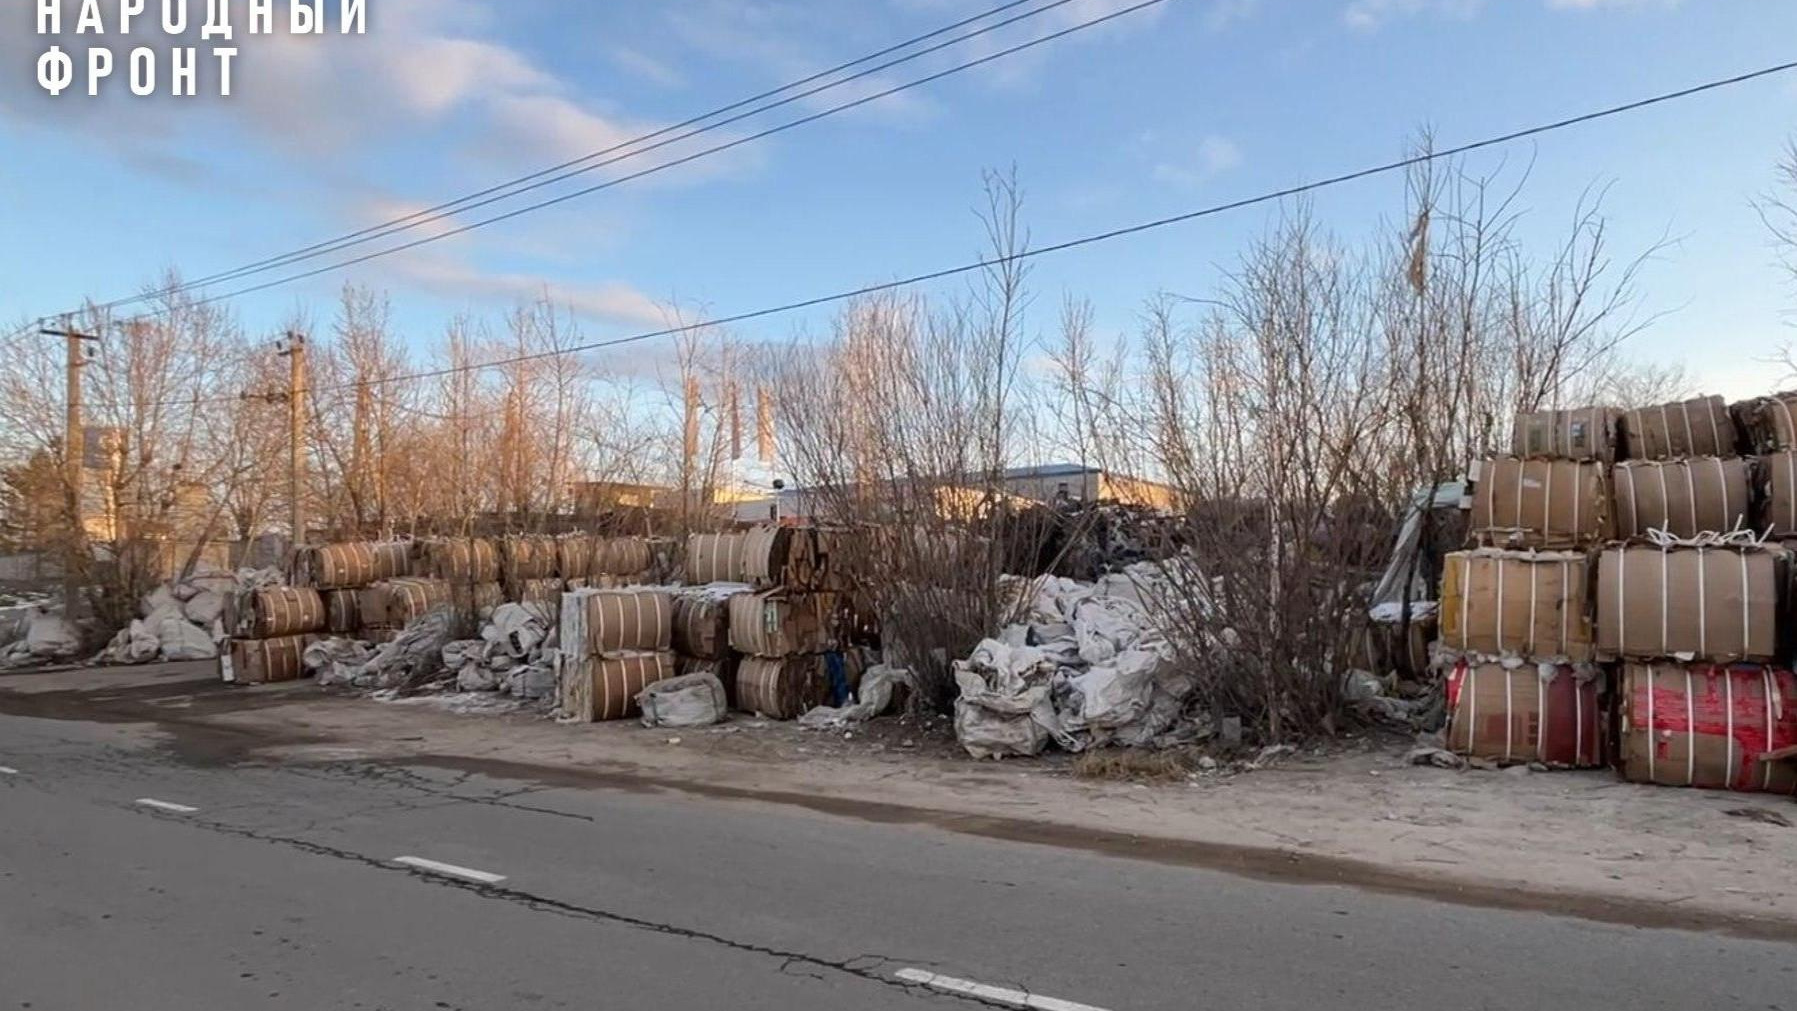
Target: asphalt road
{"x": 269, "y": 887}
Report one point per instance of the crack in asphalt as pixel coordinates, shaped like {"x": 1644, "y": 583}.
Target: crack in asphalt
{"x": 406, "y": 779}
{"x": 864, "y": 967}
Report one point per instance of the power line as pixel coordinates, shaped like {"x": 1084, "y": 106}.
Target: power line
{"x": 1203, "y": 212}
{"x": 556, "y": 173}
{"x": 1215, "y": 209}
{"x": 685, "y": 159}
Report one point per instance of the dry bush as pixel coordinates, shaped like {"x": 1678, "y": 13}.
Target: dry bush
{"x": 900, "y": 427}
{"x": 1306, "y": 403}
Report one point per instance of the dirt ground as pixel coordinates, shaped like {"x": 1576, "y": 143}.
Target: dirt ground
{"x": 1579, "y": 843}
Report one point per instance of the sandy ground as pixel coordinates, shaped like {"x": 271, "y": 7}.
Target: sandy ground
{"x": 1583, "y": 844}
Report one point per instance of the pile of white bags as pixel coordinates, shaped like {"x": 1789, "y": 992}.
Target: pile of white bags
{"x": 182, "y": 620}
{"x": 1086, "y": 668}
{"x": 515, "y": 654}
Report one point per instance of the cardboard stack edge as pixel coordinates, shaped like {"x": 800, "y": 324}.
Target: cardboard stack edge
{"x": 270, "y": 628}
{"x": 1615, "y": 607}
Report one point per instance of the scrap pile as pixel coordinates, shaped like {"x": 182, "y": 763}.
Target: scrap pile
{"x": 1616, "y": 606}
{"x": 182, "y": 619}
{"x": 1085, "y": 668}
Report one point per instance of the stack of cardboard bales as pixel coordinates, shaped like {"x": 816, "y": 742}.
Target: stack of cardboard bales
{"x": 270, "y": 628}
{"x": 1515, "y": 614}
{"x": 1617, "y": 605}
{"x": 343, "y": 574}
{"x": 1695, "y": 610}
{"x": 790, "y": 630}
{"x": 614, "y": 644}
{"x": 469, "y": 568}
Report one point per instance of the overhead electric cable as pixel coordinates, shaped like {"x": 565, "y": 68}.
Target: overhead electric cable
{"x": 1203, "y": 212}
{"x": 587, "y": 162}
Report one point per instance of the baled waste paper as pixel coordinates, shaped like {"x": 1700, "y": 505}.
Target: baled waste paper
{"x": 1718, "y": 601}
{"x": 596, "y": 688}
{"x": 1697, "y": 427}
{"x": 1685, "y": 498}
{"x": 1720, "y": 727}
{"x": 1541, "y": 503}
{"x": 264, "y": 661}
{"x": 1498, "y": 603}
{"x": 1585, "y": 433}
{"x": 1513, "y": 711}
{"x": 340, "y": 566}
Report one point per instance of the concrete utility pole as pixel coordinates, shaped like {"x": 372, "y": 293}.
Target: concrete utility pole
{"x": 74, "y": 447}
{"x": 294, "y": 350}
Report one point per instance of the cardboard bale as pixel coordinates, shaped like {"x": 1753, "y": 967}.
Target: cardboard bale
{"x": 1498, "y": 603}
{"x": 1769, "y": 423}
{"x": 462, "y": 559}
{"x": 716, "y": 558}
{"x": 1519, "y": 712}
{"x": 396, "y": 603}
{"x": 776, "y": 623}
{"x": 1699, "y": 427}
{"x": 527, "y": 556}
{"x": 1778, "y": 503}
{"x": 342, "y": 611}
{"x": 781, "y": 688}
{"x": 574, "y": 554}
{"x": 767, "y": 551}
{"x": 1683, "y": 497}
{"x": 273, "y": 611}
{"x": 593, "y": 689}
{"x": 621, "y": 556}
{"x": 1587, "y": 433}
{"x": 1709, "y": 726}
{"x": 346, "y": 566}
{"x": 1712, "y": 604}
{"x": 702, "y": 621}
{"x": 264, "y": 661}
{"x": 1540, "y": 503}
{"x": 596, "y": 622}
{"x": 785, "y": 688}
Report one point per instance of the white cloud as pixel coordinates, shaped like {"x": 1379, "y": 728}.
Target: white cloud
{"x": 1223, "y": 13}
{"x": 646, "y": 67}
{"x": 1212, "y": 156}
{"x": 1369, "y": 15}
{"x": 609, "y": 301}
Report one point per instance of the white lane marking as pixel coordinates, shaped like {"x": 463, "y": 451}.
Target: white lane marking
{"x": 1015, "y": 998}
{"x": 163, "y": 805}
{"x": 466, "y": 873}
{"x": 7, "y": 770}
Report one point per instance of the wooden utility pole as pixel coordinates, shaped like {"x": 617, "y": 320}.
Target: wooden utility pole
{"x": 74, "y": 446}
{"x": 294, "y": 350}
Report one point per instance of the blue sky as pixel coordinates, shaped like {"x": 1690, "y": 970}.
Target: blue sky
{"x": 1190, "y": 103}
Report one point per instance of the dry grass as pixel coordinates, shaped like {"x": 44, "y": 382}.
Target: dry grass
{"x": 1134, "y": 765}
